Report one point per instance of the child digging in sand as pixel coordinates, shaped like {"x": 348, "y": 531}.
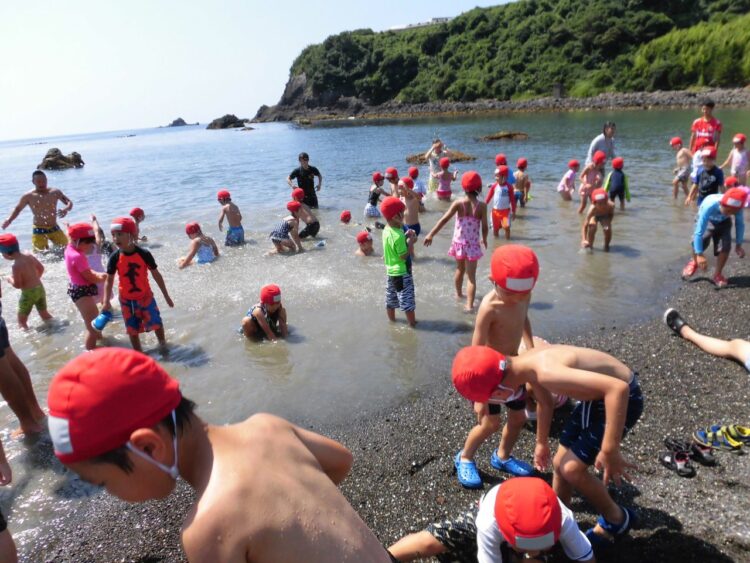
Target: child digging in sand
{"x": 284, "y": 237}
{"x": 202, "y": 247}
{"x": 230, "y": 212}
{"x": 27, "y": 276}
{"x": 471, "y": 214}
{"x": 397, "y": 248}
{"x": 601, "y": 211}
{"x": 119, "y": 420}
{"x": 267, "y": 317}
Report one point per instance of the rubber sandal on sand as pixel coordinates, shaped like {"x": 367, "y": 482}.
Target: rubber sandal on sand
{"x": 467, "y": 472}
{"x": 511, "y": 465}
{"x": 697, "y": 452}
{"x": 720, "y": 281}
{"x": 674, "y": 321}
{"x": 678, "y": 462}
{"x": 738, "y": 433}
{"x": 689, "y": 269}
{"x": 612, "y": 531}
{"x": 716, "y": 439}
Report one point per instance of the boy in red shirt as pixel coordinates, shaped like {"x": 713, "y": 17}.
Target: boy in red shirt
{"x": 706, "y": 126}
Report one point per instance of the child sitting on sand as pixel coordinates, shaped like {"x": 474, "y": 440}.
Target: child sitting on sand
{"x": 466, "y": 248}
{"x": 265, "y": 489}
{"x": 373, "y": 196}
{"x": 267, "y": 317}
{"x": 681, "y": 171}
{"x": 617, "y": 182}
{"x": 27, "y": 276}
{"x": 419, "y": 188}
{"x": 138, "y": 216}
{"x": 284, "y": 237}
{"x": 518, "y": 519}
{"x": 610, "y": 405}
{"x": 737, "y": 160}
{"x": 230, "y": 211}
{"x": 503, "y": 200}
{"x": 305, "y": 214}
{"x": 567, "y": 186}
{"x": 601, "y": 211}
{"x": 397, "y": 249}
{"x": 591, "y": 178}
{"x": 202, "y": 247}
{"x": 445, "y": 177}
{"x": 523, "y": 183}
{"x": 364, "y": 244}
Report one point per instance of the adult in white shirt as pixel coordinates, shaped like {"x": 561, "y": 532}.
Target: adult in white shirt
{"x": 517, "y": 520}
{"x": 437, "y": 151}
{"x": 604, "y": 142}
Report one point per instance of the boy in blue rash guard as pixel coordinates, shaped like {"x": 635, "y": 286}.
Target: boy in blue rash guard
{"x": 714, "y": 222}
{"x": 616, "y": 184}
{"x": 707, "y": 179}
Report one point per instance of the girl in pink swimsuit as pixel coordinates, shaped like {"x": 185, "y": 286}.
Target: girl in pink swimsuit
{"x": 445, "y": 177}
{"x": 471, "y": 213}
{"x": 591, "y": 178}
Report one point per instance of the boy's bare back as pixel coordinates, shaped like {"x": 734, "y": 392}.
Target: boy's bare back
{"x": 27, "y": 271}
{"x": 270, "y": 497}
{"x": 500, "y": 325}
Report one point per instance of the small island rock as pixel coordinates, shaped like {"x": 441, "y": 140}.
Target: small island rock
{"x": 227, "y": 122}
{"x": 56, "y": 160}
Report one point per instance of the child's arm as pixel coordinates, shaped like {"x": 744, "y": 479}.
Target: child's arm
{"x": 15, "y": 278}
{"x": 728, "y": 160}
{"x": 627, "y": 188}
{"x": 295, "y": 236}
{"x": 490, "y": 194}
{"x": 160, "y": 282}
{"x": 512, "y": 196}
{"x": 221, "y": 217}
{"x": 455, "y": 174}
{"x": 585, "y": 226}
{"x": 107, "y": 297}
{"x": 485, "y": 225}
{"x": 607, "y": 182}
{"x": 527, "y": 335}
{"x": 440, "y": 224}
{"x": 98, "y": 238}
{"x": 185, "y": 262}
{"x": 692, "y": 195}
{"x": 544, "y": 411}
{"x": 263, "y": 324}
{"x": 582, "y": 177}
{"x": 6, "y": 473}
{"x": 410, "y": 238}
{"x": 482, "y": 326}
{"x": 93, "y": 277}
{"x": 334, "y": 459}
{"x": 283, "y": 328}
{"x": 216, "y": 248}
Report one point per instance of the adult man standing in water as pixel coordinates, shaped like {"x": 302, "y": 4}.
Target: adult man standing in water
{"x": 43, "y": 203}
{"x": 305, "y": 179}
{"x": 604, "y": 142}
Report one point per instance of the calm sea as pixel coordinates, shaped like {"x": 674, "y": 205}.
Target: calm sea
{"x": 343, "y": 358}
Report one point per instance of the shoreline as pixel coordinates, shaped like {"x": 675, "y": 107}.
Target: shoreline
{"x": 352, "y": 110}
{"x": 399, "y": 485}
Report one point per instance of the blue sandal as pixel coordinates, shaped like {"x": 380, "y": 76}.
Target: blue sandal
{"x": 467, "y": 472}
{"x": 612, "y": 530}
{"x": 511, "y": 465}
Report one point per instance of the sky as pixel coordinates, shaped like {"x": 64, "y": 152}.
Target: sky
{"x": 102, "y": 65}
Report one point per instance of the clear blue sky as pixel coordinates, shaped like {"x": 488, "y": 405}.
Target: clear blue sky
{"x": 98, "y": 65}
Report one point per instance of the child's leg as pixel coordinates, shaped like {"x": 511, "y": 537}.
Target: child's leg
{"x": 496, "y": 222}
{"x": 584, "y": 197}
{"x": 591, "y": 233}
{"x": 417, "y": 546}
{"x": 622, "y": 200}
{"x": 411, "y": 317}
{"x": 160, "y": 336}
{"x": 45, "y": 315}
{"x": 734, "y": 349}
{"x": 562, "y": 488}
{"x": 88, "y": 309}
{"x": 721, "y": 261}
{"x": 511, "y": 431}
{"x": 458, "y": 278}
{"x": 135, "y": 342}
{"x": 25, "y": 378}
{"x": 249, "y": 328}
{"x": 487, "y": 426}
{"x": 391, "y": 314}
{"x": 8, "y": 552}
{"x": 607, "y": 228}
{"x": 23, "y": 321}
{"x": 675, "y": 185}
{"x": 13, "y": 391}
{"x": 471, "y": 285}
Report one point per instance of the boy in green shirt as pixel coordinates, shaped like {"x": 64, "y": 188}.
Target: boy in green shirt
{"x": 397, "y": 247}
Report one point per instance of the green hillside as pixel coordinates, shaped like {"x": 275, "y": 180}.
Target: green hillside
{"x": 521, "y": 50}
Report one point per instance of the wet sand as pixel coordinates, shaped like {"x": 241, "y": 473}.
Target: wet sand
{"x": 403, "y": 479}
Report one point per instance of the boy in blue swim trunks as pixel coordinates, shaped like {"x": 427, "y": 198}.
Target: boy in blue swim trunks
{"x": 610, "y": 404}
{"x": 132, "y": 264}
{"x": 235, "y": 232}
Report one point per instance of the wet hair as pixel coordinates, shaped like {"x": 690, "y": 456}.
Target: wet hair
{"x": 304, "y": 155}
{"x": 608, "y": 125}
{"x": 709, "y": 103}
{"x": 120, "y": 456}
{"x": 37, "y": 173}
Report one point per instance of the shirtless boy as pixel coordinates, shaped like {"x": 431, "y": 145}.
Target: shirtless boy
{"x": 43, "y": 203}
{"x": 305, "y": 214}
{"x": 683, "y": 158}
{"x": 601, "y": 210}
{"x": 364, "y": 244}
{"x": 411, "y": 200}
{"x": 502, "y": 321}
{"x": 230, "y": 212}
{"x": 611, "y": 404}
{"x": 120, "y": 421}
{"x": 523, "y": 182}
{"x": 26, "y": 276}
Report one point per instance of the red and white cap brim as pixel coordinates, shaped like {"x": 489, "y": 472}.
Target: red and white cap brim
{"x": 519, "y": 284}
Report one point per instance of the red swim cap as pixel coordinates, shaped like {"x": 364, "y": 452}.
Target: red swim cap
{"x": 414, "y": 172}
{"x": 471, "y": 181}
{"x": 445, "y": 162}
{"x": 528, "y": 513}
{"x": 294, "y": 206}
{"x": 573, "y": 163}
{"x": 599, "y": 194}
{"x": 391, "y": 206}
{"x": 391, "y": 173}
{"x": 98, "y": 399}
{"x": 407, "y": 182}
{"x": 270, "y": 294}
{"x": 8, "y": 243}
{"x": 223, "y": 194}
{"x": 346, "y": 216}
{"x": 298, "y": 194}
{"x": 477, "y": 371}
{"x": 502, "y": 170}
{"x": 500, "y": 159}
{"x": 377, "y": 177}
{"x": 599, "y": 157}
{"x": 701, "y": 142}
{"x": 731, "y": 182}
{"x": 514, "y": 268}
{"x": 522, "y": 163}
{"x": 739, "y": 138}
{"x": 137, "y": 213}
{"x": 709, "y": 151}
{"x": 618, "y": 163}
{"x": 192, "y": 228}
{"x": 77, "y": 231}
{"x": 123, "y": 225}
{"x": 734, "y": 198}
{"x": 363, "y": 237}
{"x": 674, "y": 141}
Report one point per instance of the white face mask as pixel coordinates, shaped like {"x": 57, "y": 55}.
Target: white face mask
{"x": 172, "y": 471}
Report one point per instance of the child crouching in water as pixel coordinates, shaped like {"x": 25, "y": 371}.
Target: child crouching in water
{"x": 364, "y": 242}
{"x": 202, "y": 247}
{"x": 567, "y": 186}
{"x": 267, "y": 317}
{"x": 26, "y": 276}
{"x": 285, "y": 236}
{"x": 601, "y": 211}
{"x": 471, "y": 214}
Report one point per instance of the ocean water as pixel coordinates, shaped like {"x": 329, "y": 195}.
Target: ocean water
{"x": 343, "y": 359}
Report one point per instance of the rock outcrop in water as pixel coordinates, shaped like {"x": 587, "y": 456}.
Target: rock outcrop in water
{"x": 179, "y": 122}
{"x": 506, "y": 135}
{"x": 227, "y": 121}
{"x": 56, "y": 160}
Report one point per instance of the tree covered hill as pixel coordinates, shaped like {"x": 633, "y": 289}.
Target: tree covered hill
{"x": 520, "y": 50}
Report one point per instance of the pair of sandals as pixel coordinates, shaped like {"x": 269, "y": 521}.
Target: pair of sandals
{"x": 726, "y": 438}
{"x": 680, "y": 453}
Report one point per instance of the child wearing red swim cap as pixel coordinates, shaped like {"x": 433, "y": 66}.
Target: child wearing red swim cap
{"x": 591, "y": 178}
{"x": 267, "y": 317}
{"x": 567, "y": 186}
{"x": 132, "y": 264}
{"x": 419, "y": 187}
{"x": 601, "y": 210}
{"x": 707, "y": 178}
{"x": 522, "y": 184}
{"x": 502, "y": 197}
{"x": 520, "y": 516}
{"x": 611, "y": 403}
{"x": 26, "y": 275}
{"x": 306, "y": 215}
{"x": 398, "y": 247}
{"x": 616, "y": 184}
{"x": 202, "y": 247}
{"x": 502, "y": 322}
{"x": 262, "y": 486}
{"x": 737, "y": 159}
{"x": 364, "y": 244}
{"x": 466, "y": 247}
{"x": 411, "y": 200}
{"x": 138, "y": 216}
{"x": 285, "y": 236}
{"x": 374, "y": 195}
{"x": 445, "y": 177}
{"x": 683, "y": 158}
{"x": 230, "y": 212}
